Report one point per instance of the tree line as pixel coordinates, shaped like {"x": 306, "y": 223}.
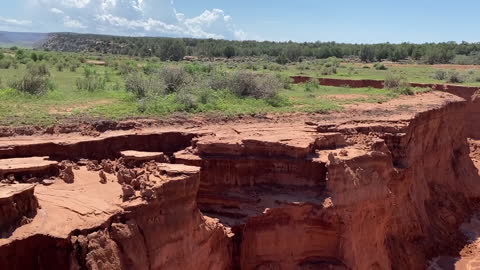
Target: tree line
{"x": 175, "y": 49}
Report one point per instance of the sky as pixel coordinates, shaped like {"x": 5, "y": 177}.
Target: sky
{"x": 352, "y": 21}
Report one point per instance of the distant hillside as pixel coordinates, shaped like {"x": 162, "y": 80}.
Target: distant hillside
{"x": 282, "y": 52}
{"x": 21, "y": 39}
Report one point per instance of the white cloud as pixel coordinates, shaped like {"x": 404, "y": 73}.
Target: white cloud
{"x": 72, "y": 23}
{"x": 56, "y": 11}
{"x": 240, "y": 34}
{"x": 14, "y": 21}
{"x": 134, "y": 17}
{"x": 75, "y": 3}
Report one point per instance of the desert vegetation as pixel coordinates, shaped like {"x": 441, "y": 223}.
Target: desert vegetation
{"x": 42, "y": 86}
{"x": 279, "y": 52}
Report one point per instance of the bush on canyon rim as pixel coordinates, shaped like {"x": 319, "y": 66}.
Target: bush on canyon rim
{"x": 398, "y": 83}
{"x": 249, "y": 84}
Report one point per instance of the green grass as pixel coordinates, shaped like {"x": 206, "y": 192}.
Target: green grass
{"x": 66, "y": 104}
{"x": 416, "y": 74}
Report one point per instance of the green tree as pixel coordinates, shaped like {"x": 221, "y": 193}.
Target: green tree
{"x": 34, "y": 56}
{"x": 282, "y": 59}
{"x": 229, "y": 51}
{"x": 367, "y": 54}
{"x": 172, "y": 50}
{"x": 20, "y": 54}
{"x": 293, "y": 52}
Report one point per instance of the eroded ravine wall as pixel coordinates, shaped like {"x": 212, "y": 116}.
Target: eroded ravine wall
{"x": 469, "y": 93}
{"x": 390, "y": 207}
{"x": 168, "y": 232}
{"x": 391, "y": 200}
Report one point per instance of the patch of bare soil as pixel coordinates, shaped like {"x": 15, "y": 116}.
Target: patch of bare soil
{"x": 437, "y": 66}
{"x": 96, "y": 62}
{"x": 345, "y": 96}
{"x": 65, "y": 110}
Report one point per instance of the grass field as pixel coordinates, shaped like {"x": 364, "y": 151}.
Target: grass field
{"x": 65, "y": 103}
{"x": 413, "y": 73}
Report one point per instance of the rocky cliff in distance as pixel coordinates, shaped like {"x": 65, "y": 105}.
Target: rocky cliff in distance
{"x": 22, "y": 39}
{"x": 380, "y": 187}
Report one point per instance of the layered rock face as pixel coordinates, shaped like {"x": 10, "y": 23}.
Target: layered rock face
{"x": 17, "y": 205}
{"x": 381, "y": 187}
{"x": 358, "y": 194}
{"x": 164, "y": 232}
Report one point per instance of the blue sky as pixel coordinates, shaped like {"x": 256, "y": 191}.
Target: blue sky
{"x": 367, "y": 21}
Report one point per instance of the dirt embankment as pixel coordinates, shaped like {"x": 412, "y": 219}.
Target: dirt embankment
{"x": 375, "y": 188}
{"x": 469, "y": 93}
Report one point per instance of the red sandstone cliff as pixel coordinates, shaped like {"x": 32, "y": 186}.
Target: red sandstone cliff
{"x": 375, "y": 188}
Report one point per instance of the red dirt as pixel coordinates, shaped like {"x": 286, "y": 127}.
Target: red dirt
{"x": 469, "y": 93}
{"x": 383, "y": 186}
{"x": 437, "y": 66}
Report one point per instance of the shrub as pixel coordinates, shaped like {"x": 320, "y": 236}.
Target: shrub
{"x": 380, "y": 66}
{"x": 285, "y": 80}
{"x": 282, "y": 59}
{"x": 195, "y": 68}
{"x": 20, "y": 54}
{"x": 151, "y": 68}
{"x": 5, "y": 63}
{"x": 462, "y": 60}
{"x": 440, "y": 75}
{"x": 34, "y": 56}
{"x": 244, "y": 83}
{"x": 311, "y": 85}
{"x": 126, "y": 68}
{"x": 60, "y": 67}
{"x": 2, "y": 55}
{"x": 219, "y": 81}
{"x": 89, "y": 71}
{"x": 142, "y": 85}
{"x": 275, "y": 67}
{"x": 303, "y": 66}
{"x": 32, "y": 84}
{"x": 397, "y": 83}
{"x": 174, "y": 78}
{"x": 455, "y": 77}
{"x": 328, "y": 70}
{"x": 186, "y": 98}
{"x": 331, "y": 62}
{"x": 91, "y": 83}
{"x": 351, "y": 70}
{"x": 278, "y": 101}
{"x": 38, "y": 69}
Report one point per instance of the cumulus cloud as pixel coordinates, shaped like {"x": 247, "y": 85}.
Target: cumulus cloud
{"x": 75, "y": 3}
{"x": 10, "y": 21}
{"x": 136, "y": 17}
{"x": 56, "y": 11}
{"x": 72, "y": 23}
